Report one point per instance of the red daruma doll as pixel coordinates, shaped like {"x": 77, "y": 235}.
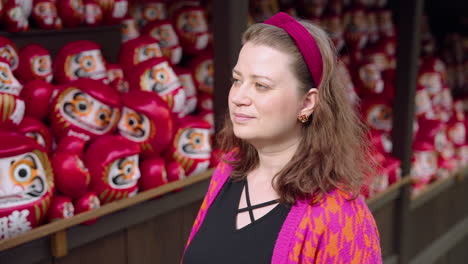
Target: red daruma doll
{"x": 72, "y": 12}
{"x": 37, "y": 95}
{"x": 146, "y": 120}
{"x": 15, "y": 19}
{"x": 130, "y": 29}
{"x": 79, "y": 59}
{"x": 157, "y": 75}
{"x": 138, "y": 50}
{"x": 93, "y": 13}
{"x": 191, "y": 147}
{"x": 203, "y": 71}
{"x": 35, "y": 64}
{"x": 377, "y": 113}
{"x": 192, "y": 28}
{"x": 9, "y": 52}
{"x": 44, "y": 14}
{"x": 186, "y": 78}
{"x": 164, "y": 32}
{"x": 60, "y": 208}
{"x": 26, "y": 184}
{"x": 8, "y": 83}
{"x": 112, "y": 161}
{"x": 85, "y": 108}
{"x": 36, "y": 130}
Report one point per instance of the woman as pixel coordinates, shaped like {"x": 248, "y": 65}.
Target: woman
{"x": 288, "y": 193}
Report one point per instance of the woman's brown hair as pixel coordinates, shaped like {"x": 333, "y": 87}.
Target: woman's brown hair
{"x": 333, "y": 152}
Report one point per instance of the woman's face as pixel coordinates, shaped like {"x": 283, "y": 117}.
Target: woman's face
{"x": 264, "y": 100}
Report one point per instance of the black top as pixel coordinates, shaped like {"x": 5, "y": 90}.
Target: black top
{"x": 219, "y": 241}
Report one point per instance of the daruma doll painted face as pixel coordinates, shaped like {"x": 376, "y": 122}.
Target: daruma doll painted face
{"x": 85, "y": 108}
{"x": 35, "y": 64}
{"x": 8, "y": 83}
{"x": 138, "y": 50}
{"x": 44, "y": 14}
{"x": 377, "y": 113}
{"x": 157, "y": 75}
{"x": 112, "y": 161}
{"x": 130, "y": 29}
{"x": 26, "y": 184}
{"x": 9, "y": 52}
{"x": 79, "y": 59}
{"x": 203, "y": 71}
{"x": 191, "y": 147}
{"x": 164, "y": 32}
{"x": 146, "y": 120}
{"x": 192, "y": 28}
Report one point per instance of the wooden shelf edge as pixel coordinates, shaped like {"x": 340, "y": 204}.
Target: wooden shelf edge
{"x": 42, "y": 32}
{"x": 381, "y": 199}
{"x": 437, "y": 187}
{"x": 115, "y": 206}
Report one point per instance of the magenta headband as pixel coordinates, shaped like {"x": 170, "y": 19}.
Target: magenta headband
{"x": 304, "y": 41}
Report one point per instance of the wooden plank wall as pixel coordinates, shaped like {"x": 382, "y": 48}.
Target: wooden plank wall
{"x": 385, "y": 219}
{"x": 160, "y": 240}
{"x": 436, "y": 217}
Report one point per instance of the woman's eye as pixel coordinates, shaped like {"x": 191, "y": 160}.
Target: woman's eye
{"x": 261, "y": 86}
{"x": 235, "y": 81}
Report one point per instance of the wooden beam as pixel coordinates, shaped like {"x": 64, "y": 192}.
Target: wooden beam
{"x": 229, "y": 22}
{"x": 59, "y": 244}
{"x": 408, "y": 19}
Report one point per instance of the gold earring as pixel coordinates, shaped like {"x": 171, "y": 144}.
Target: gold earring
{"x": 303, "y": 118}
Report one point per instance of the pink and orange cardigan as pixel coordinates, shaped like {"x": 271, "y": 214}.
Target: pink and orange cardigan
{"x": 333, "y": 231}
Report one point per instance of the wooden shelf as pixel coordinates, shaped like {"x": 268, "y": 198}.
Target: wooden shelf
{"x": 57, "y": 226}
{"x": 435, "y": 188}
{"x": 109, "y": 37}
{"x": 391, "y": 193}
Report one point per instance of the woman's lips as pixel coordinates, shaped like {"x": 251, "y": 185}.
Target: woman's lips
{"x": 242, "y": 118}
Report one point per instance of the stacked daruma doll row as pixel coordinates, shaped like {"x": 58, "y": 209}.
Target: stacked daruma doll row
{"x": 182, "y": 32}
{"x": 86, "y": 132}
{"x": 440, "y": 147}
{"x": 21, "y": 15}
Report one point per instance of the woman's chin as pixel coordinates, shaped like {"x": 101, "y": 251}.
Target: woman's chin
{"x": 244, "y": 133}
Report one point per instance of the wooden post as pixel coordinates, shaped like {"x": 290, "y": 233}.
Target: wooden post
{"x": 229, "y": 22}
{"x": 408, "y": 14}
{"x": 59, "y": 244}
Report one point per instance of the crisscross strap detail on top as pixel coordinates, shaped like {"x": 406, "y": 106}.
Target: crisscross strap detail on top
{"x": 251, "y": 207}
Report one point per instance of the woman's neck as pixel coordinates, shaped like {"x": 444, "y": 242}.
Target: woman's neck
{"x": 273, "y": 158}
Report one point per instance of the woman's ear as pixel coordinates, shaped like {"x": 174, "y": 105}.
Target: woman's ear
{"x": 309, "y": 102}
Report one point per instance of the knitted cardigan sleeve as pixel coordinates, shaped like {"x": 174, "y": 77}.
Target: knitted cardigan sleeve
{"x": 337, "y": 231}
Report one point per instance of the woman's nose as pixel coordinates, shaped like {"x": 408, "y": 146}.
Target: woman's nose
{"x": 240, "y": 95}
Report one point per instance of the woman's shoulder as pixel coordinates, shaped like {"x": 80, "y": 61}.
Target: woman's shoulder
{"x": 340, "y": 208}
{"x": 339, "y": 230}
